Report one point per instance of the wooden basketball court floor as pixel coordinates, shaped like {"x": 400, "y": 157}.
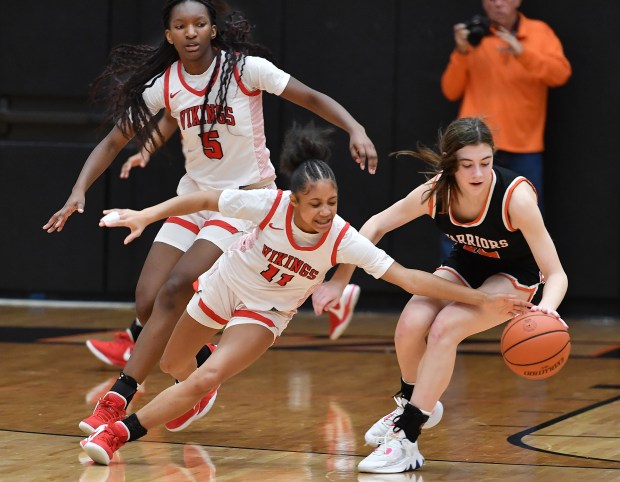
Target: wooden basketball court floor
{"x": 300, "y": 413}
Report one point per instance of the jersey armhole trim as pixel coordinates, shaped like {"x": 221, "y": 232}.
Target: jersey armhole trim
{"x": 242, "y": 86}
{"x": 167, "y": 88}
{"x": 508, "y": 197}
{"x": 272, "y": 211}
{"x": 343, "y": 231}
{"x": 432, "y": 199}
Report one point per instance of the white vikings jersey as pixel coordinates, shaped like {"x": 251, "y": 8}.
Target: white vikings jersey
{"x": 232, "y": 153}
{"x": 277, "y": 266}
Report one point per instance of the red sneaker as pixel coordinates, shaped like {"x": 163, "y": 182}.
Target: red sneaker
{"x": 341, "y": 314}
{"x": 109, "y": 409}
{"x": 195, "y": 413}
{"x": 115, "y": 352}
{"x": 103, "y": 442}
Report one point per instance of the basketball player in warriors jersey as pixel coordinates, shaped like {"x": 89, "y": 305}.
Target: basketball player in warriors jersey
{"x": 255, "y": 288}
{"x": 206, "y": 80}
{"x": 501, "y": 245}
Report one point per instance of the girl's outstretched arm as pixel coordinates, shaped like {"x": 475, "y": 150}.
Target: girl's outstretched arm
{"x": 97, "y": 162}
{"x": 136, "y": 221}
{"x": 426, "y": 284}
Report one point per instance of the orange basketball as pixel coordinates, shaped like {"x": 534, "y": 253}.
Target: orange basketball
{"x": 535, "y": 345}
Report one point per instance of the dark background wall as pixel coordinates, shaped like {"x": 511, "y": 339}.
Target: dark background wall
{"x": 382, "y": 60}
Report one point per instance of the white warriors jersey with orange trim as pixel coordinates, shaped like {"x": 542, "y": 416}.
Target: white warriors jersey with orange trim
{"x": 277, "y": 266}
{"x": 232, "y": 152}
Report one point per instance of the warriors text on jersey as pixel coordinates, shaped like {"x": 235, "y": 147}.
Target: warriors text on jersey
{"x": 232, "y": 152}
{"x": 490, "y": 234}
{"x": 277, "y": 266}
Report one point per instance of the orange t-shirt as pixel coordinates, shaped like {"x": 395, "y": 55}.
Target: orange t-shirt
{"x": 508, "y": 91}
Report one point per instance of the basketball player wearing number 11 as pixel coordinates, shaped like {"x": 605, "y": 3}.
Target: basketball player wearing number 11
{"x": 500, "y": 245}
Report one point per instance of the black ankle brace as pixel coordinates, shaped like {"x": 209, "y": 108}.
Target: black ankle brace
{"x": 406, "y": 389}
{"x": 136, "y": 430}
{"x": 202, "y": 355}
{"x": 410, "y": 422}
{"x": 125, "y": 386}
{"x": 135, "y": 329}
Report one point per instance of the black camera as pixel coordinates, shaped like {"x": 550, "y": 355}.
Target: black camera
{"x": 478, "y": 27}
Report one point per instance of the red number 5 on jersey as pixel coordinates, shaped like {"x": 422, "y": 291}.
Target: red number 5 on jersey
{"x": 211, "y": 146}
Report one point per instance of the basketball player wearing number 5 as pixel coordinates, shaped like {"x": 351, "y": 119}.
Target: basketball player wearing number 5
{"x": 502, "y": 245}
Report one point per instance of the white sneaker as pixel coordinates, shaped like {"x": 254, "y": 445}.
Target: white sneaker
{"x": 396, "y": 454}
{"x": 375, "y": 434}
{"x": 341, "y": 314}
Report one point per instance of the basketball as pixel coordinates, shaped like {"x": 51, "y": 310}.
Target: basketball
{"x": 535, "y": 345}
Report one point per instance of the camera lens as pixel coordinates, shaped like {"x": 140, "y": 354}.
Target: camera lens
{"x": 478, "y": 27}
{"x": 475, "y": 36}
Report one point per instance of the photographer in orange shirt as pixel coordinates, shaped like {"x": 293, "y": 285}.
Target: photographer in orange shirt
{"x": 501, "y": 69}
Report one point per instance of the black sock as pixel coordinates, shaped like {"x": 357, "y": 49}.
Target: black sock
{"x": 125, "y": 386}
{"x": 410, "y": 422}
{"x": 135, "y": 329}
{"x": 136, "y": 430}
{"x": 203, "y": 354}
{"x": 406, "y": 389}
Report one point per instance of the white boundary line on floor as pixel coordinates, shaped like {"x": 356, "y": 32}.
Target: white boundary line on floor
{"x": 66, "y": 304}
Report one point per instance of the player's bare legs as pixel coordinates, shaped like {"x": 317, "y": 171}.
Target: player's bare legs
{"x": 159, "y": 263}
{"x": 170, "y": 304}
{"x": 187, "y": 338}
{"x": 452, "y": 325}
{"x": 239, "y": 347}
{"x": 411, "y": 331}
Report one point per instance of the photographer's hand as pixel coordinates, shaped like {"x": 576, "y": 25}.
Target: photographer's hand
{"x": 460, "y": 38}
{"x": 513, "y": 46}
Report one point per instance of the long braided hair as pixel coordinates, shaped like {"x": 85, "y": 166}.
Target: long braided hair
{"x": 133, "y": 68}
